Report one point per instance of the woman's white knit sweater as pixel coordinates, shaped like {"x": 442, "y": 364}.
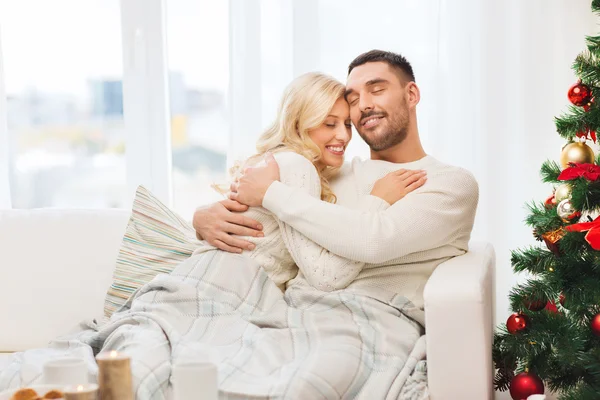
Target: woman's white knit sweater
{"x": 283, "y": 251}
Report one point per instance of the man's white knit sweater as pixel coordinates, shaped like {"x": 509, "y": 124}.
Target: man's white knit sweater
{"x": 397, "y": 247}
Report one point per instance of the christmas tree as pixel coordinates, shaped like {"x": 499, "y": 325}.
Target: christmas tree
{"x": 552, "y": 340}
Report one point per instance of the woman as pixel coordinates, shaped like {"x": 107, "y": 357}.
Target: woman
{"x": 308, "y": 140}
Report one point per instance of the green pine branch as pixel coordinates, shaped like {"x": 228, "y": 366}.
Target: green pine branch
{"x": 552, "y": 348}
{"x": 588, "y": 388}
{"x": 585, "y": 195}
{"x": 593, "y": 44}
{"x": 578, "y": 120}
{"x": 543, "y": 219}
{"x": 587, "y": 68}
{"x": 531, "y": 290}
{"x": 505, "y": 362}
{"x": 573, "y": 243}
{"x": 550, "y": 171}
{"x": 533, "y": 259}
{"x": 581, "y": 392}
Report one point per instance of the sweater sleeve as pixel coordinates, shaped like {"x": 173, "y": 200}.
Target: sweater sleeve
{"x": 430, "y": 217}
{"x": 322, "y": 269}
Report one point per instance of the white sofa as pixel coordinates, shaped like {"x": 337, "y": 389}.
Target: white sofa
{"x": 57, "y": 264}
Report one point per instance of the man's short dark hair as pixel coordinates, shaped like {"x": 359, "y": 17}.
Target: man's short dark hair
{"x": 396, "y": 61}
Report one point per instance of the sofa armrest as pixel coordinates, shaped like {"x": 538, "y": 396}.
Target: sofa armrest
{"x": 55, "y": 270}
{"x": 459, "y": 325}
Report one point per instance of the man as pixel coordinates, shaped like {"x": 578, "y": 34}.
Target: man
{"x": 402, "y": 244}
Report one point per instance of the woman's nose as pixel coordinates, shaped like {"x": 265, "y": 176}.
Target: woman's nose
{"x": 343, "y": 133}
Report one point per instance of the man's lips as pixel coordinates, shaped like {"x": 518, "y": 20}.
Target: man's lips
{"x": 372, "y": 121}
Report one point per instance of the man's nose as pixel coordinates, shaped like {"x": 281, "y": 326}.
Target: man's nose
{"x": 365, "y": 103}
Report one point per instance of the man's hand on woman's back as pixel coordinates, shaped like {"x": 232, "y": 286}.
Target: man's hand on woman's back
{"x": 219, "y": 222}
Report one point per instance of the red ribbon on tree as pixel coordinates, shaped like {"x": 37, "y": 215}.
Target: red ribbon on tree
{"x": 591, "y": 172}
{"x": 592, "y": 229}
{"x": 587, "y": 134}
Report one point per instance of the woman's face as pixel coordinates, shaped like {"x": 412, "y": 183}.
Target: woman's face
{"x": 333, "y": 136}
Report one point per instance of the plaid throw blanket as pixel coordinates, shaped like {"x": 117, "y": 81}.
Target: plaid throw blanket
{"x": 304, "y": 344}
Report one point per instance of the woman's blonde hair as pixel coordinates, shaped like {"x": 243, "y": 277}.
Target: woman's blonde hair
{"x": 305, "y": 105}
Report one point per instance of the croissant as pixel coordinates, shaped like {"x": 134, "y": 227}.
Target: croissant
{"x": 25, "y": 394}
{"x": 53, "y": 394}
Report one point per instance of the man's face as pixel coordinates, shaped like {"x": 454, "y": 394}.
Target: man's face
{"x": 378, "y": 106}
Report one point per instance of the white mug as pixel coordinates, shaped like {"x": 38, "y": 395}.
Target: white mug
{"x": 65, "y": 371}
{"x": 194, "y": 380}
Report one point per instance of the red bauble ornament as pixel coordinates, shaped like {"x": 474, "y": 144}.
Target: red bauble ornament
{"x": 535, "y": 305}
{"x": 524, "y": 385}
{"x": 595, "y": 325}
{"x": 550, "y": 202}
{"x": 580, "y": 94}
{"x": 517, "y": 323}
{"x": 551, "y": 306}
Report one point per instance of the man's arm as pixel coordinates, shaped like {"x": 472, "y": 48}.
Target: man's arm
{"x": 428, "y": 218}
{"x": 219, "y": 222}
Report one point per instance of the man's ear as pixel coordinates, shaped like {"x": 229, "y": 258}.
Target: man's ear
{"x": 413, "y": 94}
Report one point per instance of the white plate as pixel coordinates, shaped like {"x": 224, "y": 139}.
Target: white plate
{"x": 40, "y": 389}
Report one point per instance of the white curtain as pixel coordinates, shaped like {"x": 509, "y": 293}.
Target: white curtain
{"x": 492, "y": 74}
{"x": 5, "y": 201}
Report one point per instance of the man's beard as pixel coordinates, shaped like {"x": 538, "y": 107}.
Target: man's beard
{"x": 395, "y": 132}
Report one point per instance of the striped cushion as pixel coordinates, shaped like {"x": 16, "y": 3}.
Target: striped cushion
{"x": 156, "y": 241}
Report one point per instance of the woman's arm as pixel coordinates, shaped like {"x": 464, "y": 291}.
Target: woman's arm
{"x": 322, "y": 269}
{"x": 430, "y": 217}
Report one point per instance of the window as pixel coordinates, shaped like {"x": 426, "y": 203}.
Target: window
{"x": 226, "y": 63}
{"x": 64, "y": 102}
{"x": 198, "y": 60}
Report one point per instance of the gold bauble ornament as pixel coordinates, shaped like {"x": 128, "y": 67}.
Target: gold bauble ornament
{"x": 576, "y": 152}
{"x": 562, "y": 192}
{"x": 565, "y": 209}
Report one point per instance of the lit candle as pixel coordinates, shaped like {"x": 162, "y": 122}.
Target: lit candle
{"x": 114, "y": 376}
{"x": 88, "y": 391}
